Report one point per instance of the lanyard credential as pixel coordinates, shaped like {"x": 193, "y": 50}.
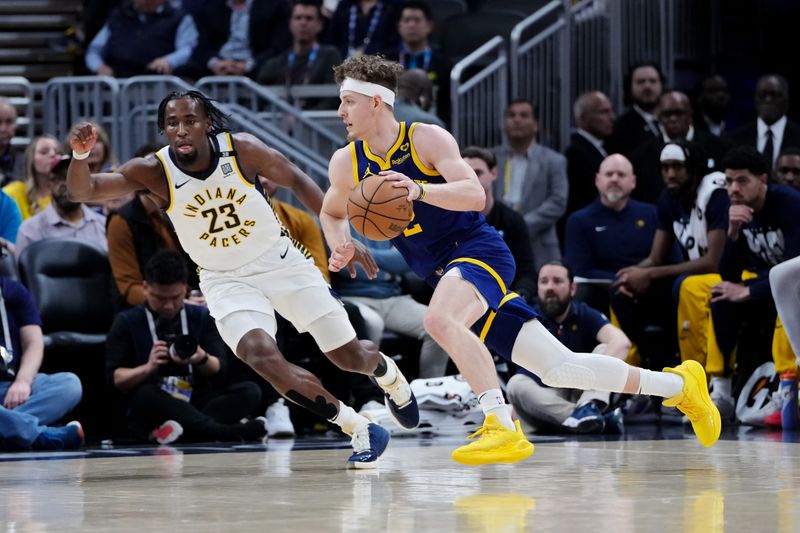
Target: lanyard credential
{"x": 373, "y": 25}
{"x": 412, "y": 58}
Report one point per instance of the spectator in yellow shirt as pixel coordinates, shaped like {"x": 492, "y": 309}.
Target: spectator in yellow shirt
{"x": 32, "y": 194}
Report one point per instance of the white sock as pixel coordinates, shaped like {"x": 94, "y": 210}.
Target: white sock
{"x": 721, "y": 387}
{"x": 391, "y": 373}
{"x": 661, "y": 384}
{"x": 492, "y": 401}
{"x": 348, "y": 419}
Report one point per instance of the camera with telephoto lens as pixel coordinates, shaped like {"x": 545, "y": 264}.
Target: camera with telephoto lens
{"x": 6, "y": 372}
{"x": 180, "y": 346}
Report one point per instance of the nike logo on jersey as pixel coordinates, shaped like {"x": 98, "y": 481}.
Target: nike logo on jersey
{"x": 179, "y": 185}
{"x": 600, "y": 228}
{"x": 286, "y": 251}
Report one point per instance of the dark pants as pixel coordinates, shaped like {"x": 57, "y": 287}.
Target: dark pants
{"x": 748, "y": 325}
{"x": 211, "y": 415}
{"x": 649, "y": 320}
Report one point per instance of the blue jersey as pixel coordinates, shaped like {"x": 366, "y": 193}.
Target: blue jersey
{"x": 438, "y": 239}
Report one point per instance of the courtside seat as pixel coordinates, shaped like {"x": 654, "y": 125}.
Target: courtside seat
{"x": 70, "y": 282}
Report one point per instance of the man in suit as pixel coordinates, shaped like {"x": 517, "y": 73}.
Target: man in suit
{"x": 675, "y": 117}
{"x": 772, "y": 130}
{"x": 236, "y": 37}
{"x": 644, "y": 86}
{"x": 712, "y": 105}
{"x": 533, "y": 180}
{"x": 595, "y": 119}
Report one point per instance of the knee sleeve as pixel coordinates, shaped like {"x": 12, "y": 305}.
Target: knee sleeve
{"x": 570, "y": 375}
{"x": 541, "y": 353}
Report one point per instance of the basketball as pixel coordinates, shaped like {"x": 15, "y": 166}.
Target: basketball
{"x": 377, "y": 210}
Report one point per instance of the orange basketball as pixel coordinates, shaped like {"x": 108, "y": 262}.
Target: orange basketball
{"x": 377, "y": 210}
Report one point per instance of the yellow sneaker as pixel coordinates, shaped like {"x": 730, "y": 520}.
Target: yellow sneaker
{"x": 695, "y": 402}
{"x": 496, "y": 444}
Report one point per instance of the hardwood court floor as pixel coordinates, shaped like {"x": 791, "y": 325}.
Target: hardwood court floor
{"x": 749, "y": 482}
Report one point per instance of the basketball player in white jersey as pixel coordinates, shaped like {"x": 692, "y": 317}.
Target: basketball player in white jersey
{"x": 206, "y": 180}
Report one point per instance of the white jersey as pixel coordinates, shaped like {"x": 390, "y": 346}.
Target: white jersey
{"x": 223, "y": 221}
{"x": 694, "y": 235}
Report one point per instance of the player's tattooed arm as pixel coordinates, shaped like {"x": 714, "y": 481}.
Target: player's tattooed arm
{"x": 258, "y": 159}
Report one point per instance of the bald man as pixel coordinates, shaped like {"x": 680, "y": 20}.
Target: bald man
{"x": 595, "y": 119}
{"x": 10, "y": 162}
{"x": 415, "y": 98}
{"x": 772, "y": 131}
{"x": 614, "y": 231}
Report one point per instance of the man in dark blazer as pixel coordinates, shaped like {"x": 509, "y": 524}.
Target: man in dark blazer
{"x": 221, "y": 51}
{"x": 643, "y": 87}
{"x": 675, "y": 118}
{"x": 595, "y": 119}
{"x": 772, "y": 131}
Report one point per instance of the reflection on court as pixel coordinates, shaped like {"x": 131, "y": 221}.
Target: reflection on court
{"x": 619, "y": 486}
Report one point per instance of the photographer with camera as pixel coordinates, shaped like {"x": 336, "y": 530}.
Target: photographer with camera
{"x": 168, "y": 359}
{"x": 31, "y": 400}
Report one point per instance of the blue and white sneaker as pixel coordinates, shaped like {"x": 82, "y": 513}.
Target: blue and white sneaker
{"x": 400, "y": 401}
{"x": 586, "y": 418}
{"x": 369, "y": 442}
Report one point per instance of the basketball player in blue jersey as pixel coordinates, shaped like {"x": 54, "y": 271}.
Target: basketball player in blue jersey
{"x": 449, "y": 244}
{"x": 206, "y": 180}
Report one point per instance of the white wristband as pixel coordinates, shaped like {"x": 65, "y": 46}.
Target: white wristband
{"x": 76, "y": 155}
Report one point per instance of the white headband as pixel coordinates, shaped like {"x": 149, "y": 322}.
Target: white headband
{"x": 672, "y": 152}
{"x": 368, "y": 89}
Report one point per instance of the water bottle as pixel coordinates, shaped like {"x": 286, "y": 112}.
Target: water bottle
{"x": 790, "y": 417}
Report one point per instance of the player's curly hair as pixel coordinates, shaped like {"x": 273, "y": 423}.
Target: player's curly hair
{"x": 371, "y": 68}
{"x": 219, "y": 120}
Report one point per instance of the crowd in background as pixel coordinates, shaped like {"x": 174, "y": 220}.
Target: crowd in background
{"x": 650, "y": 238}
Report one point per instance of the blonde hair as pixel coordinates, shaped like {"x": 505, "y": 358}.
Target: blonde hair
{"x": 30, "y": 171}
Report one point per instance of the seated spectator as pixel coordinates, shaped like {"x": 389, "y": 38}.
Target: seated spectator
{"x": 762, "y": 232}
{"x": 772, "y": 130}
{"x": 135, "y": 232}
{"x": 787, "y": 168}
{"x": 712, "y": 105}
{"x": 10, "y": 220}
{"x": 31, "y": 401}
{"x": 644, "y": 85}
{"x": 169, "y": 361}
{"x": 11, "y": 164}
{"x": 581, "y": 329}
{"x": 364, "y": 27}
{"x": 534, "y": 180}
{"x": 63, "y": 217}
{"x": 142, "y": 37}
{"x": 595, "y": 119}
{"x": 505, "y": 220}
{"x": 32, "y": 193}
{"x": 414, "y": 95}
{"x": 674, "y": 114}
{"x": 615, "y": 230}
{"x": 415, "y": 52}
{"x": 306, "y": 61}
{"x": 237, "y": 36}
{"x": 692, "y": 211}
